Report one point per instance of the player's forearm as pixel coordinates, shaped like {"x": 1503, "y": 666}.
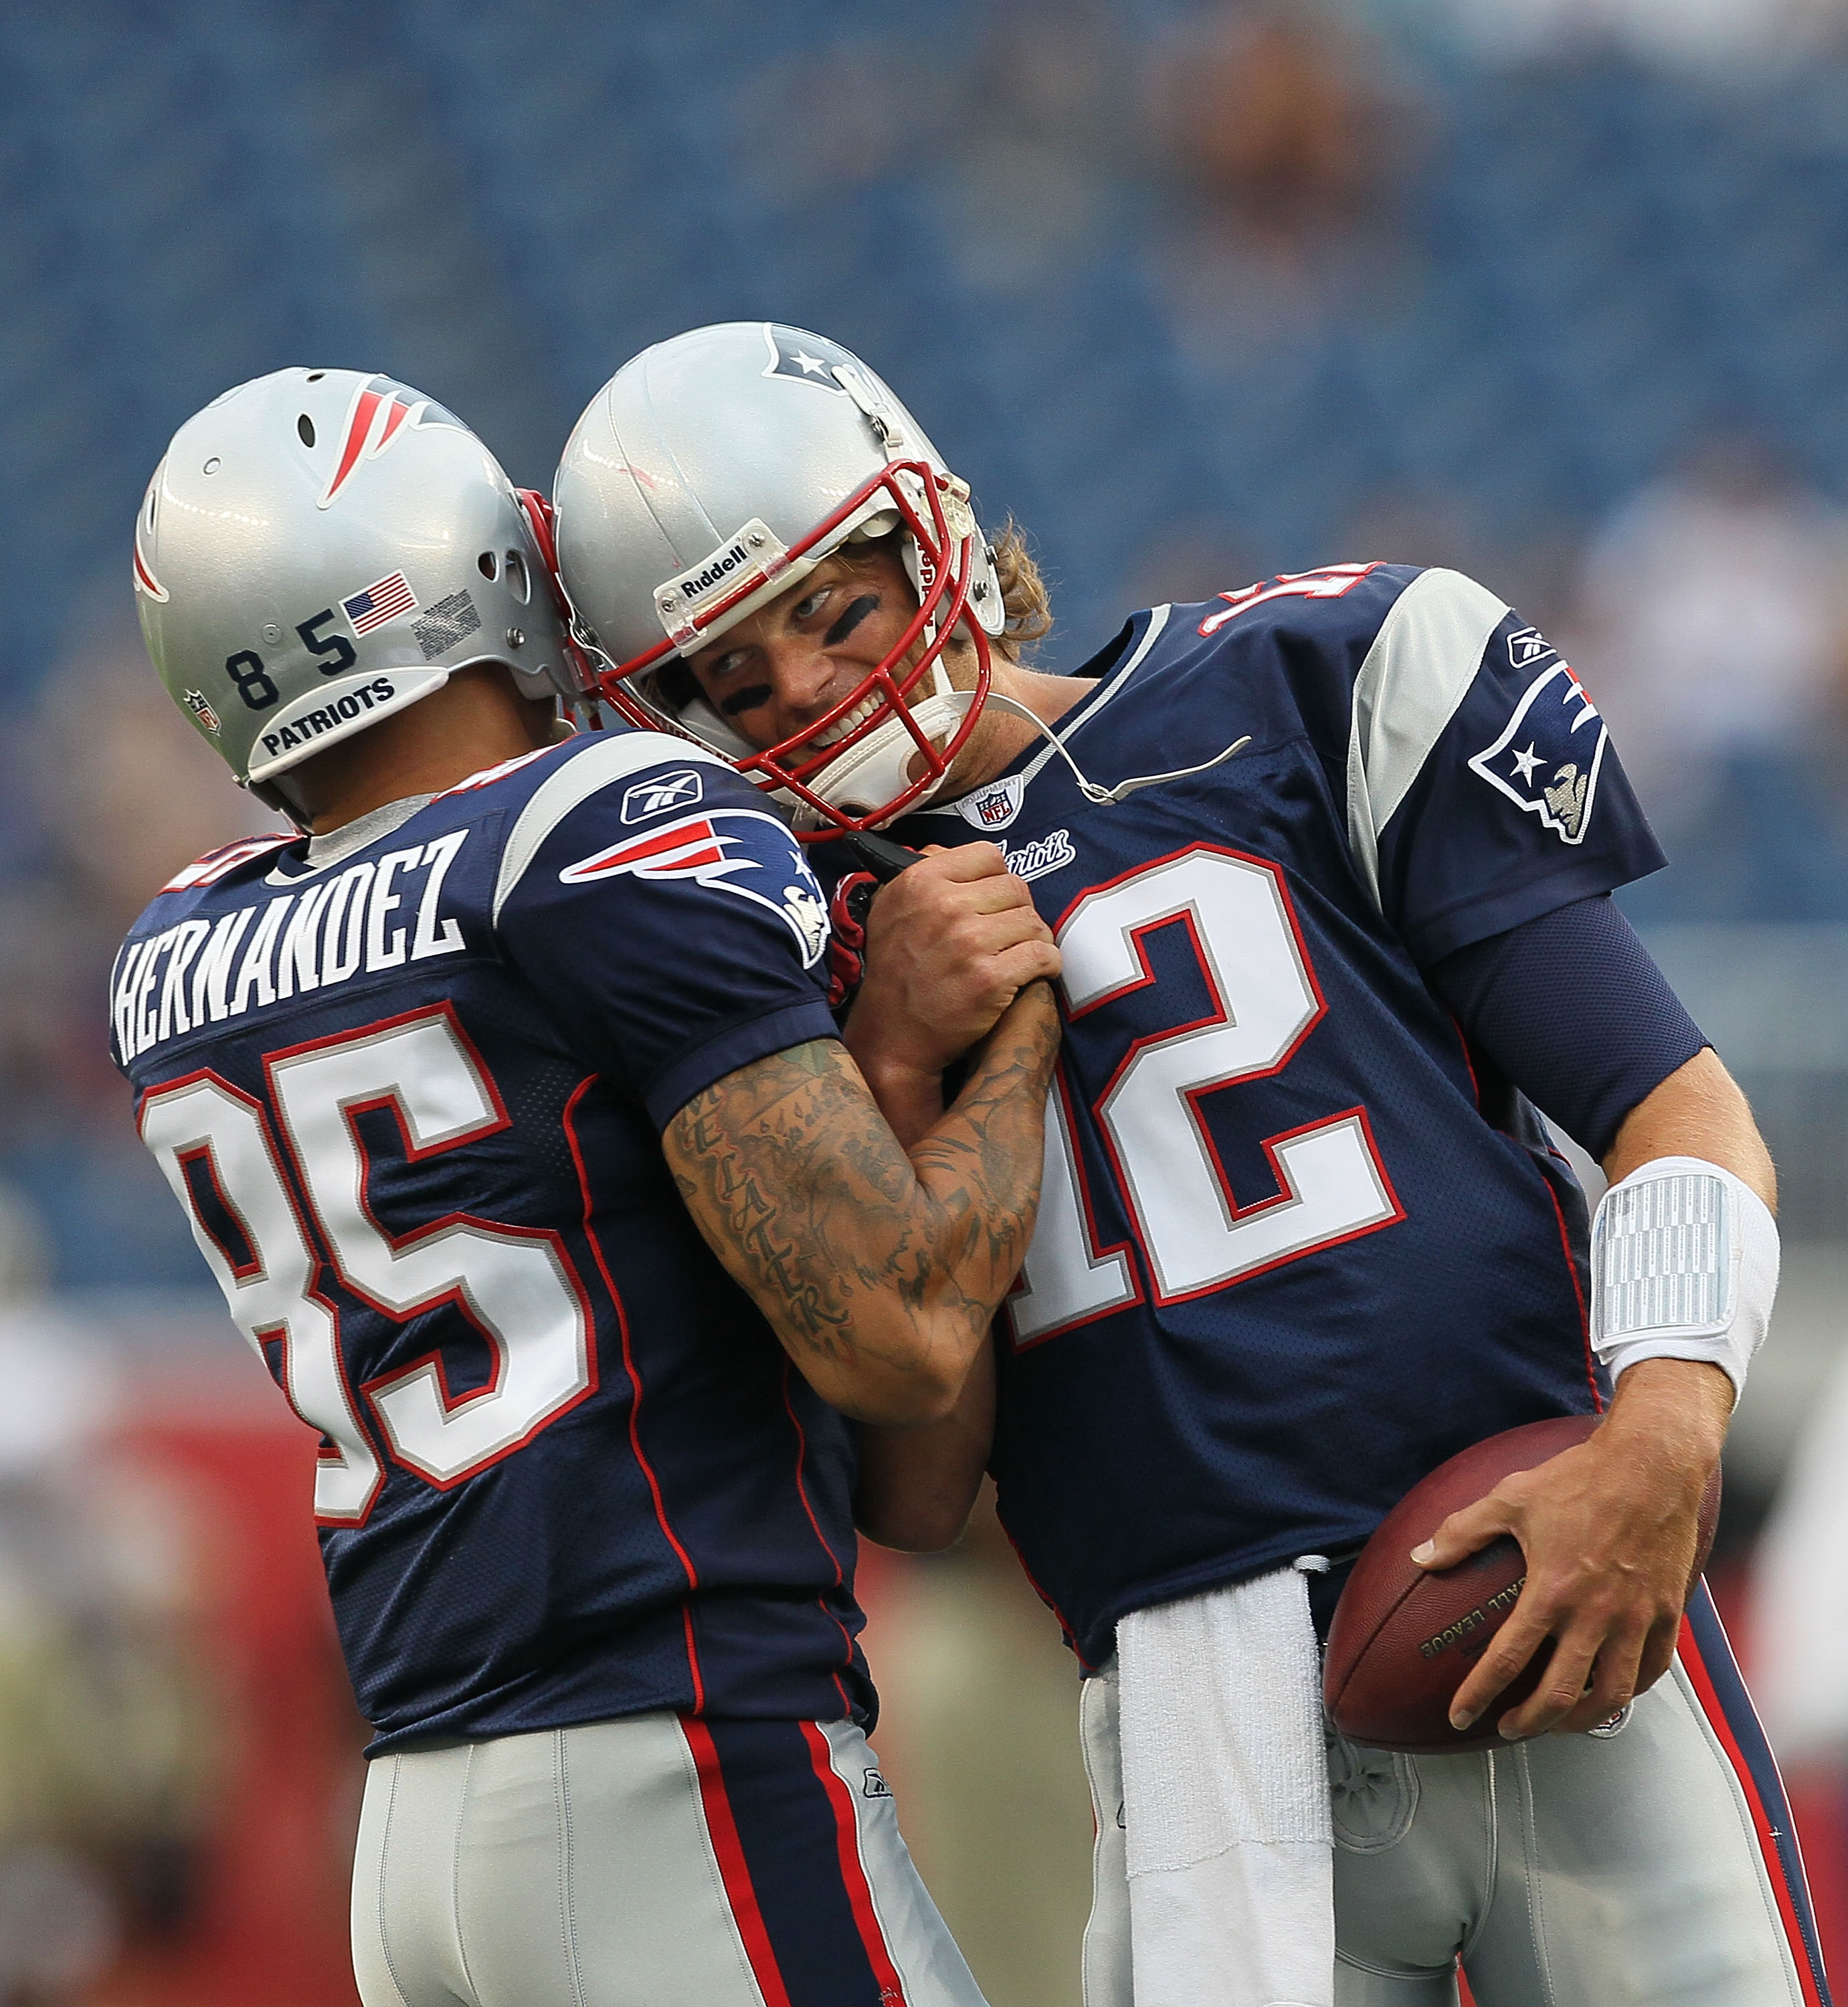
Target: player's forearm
{"x": 1698, "y": 1111}
{"x": 917, "y": 1486}
{"x": 910, "y": 1098}
{"x": 879, "y": 1270}
{"x": 1673, "y": 1410}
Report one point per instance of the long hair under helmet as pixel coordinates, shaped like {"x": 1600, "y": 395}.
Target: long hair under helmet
{"x": 714, "y": 472}
{"x": 320, "y": 548}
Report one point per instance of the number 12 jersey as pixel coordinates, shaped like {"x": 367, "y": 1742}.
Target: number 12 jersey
{"x": 1293, "y": 1249}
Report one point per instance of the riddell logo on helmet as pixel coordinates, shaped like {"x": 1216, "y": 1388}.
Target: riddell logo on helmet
{"x": 752, "y": 556}
{"x": 717, "y": 568}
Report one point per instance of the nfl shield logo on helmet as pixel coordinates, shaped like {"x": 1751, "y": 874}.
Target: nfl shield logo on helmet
{"x": 1547, "y": 759}
{"x": 994, "y": 807}
{"x": 195, "y": 701}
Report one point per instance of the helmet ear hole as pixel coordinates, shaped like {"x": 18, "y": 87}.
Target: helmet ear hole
{"x": 677, "y": 685}
{"x": 487, "y": 564}
{"x": 519, "y": 583}
{"x": 304, "y": 428}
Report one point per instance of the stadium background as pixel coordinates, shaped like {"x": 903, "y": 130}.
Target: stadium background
{"x": 1551, "y": 290}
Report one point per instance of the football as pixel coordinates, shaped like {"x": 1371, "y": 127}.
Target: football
{"x": 1402, "y": 1640}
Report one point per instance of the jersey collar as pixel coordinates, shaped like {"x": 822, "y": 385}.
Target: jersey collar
{"x": 1131, "y": 648}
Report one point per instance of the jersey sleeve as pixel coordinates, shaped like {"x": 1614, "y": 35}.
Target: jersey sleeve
{"x": 1483, "y": 789}
{"x": 667, "y": 913}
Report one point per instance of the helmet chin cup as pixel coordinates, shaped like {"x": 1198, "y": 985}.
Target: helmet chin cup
{"x": 919, "y": 719}
{"x": 857, "y": 784}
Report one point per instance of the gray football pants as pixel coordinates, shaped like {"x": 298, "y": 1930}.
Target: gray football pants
{"x": 648, "y": 1862}
{"x": 1651, "y": 1868}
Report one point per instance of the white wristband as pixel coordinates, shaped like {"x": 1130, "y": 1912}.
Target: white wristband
{"x": 1684, "y": 1258}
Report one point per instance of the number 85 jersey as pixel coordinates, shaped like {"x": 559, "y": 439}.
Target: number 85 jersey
{"x": 1294, "y": 1247}
{"x": 410, "y": 1096}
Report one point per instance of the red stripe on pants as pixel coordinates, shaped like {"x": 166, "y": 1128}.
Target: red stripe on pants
{"x": 733, "y": 1869}
{"x": 1695, "y": 1668}
{"x": 853, "y": 1876}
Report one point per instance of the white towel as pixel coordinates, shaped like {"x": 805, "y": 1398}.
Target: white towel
{"x": 1226, "y": 1799}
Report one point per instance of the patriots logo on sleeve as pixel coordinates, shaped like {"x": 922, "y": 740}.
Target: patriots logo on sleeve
{"x": 743, "y": 852}
{"x": 1547, "y": 758}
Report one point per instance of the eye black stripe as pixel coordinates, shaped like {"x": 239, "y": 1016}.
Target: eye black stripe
{"x": 867, "y": 603}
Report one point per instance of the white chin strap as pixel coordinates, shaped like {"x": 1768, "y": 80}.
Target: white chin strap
{"x": 877, "y": 769}
{"x": 1685, "y": 1262}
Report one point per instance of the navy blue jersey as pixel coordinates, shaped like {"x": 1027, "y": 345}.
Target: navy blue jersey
{"x": 1291, "y": 1252}
{"x": 411, "y": 1100}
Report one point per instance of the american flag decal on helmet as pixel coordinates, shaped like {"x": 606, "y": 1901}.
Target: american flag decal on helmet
{"x": 383, "y": 600}
{"x": 380, "y": 410}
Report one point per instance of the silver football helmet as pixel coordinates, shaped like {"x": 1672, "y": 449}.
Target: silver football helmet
{"x": 711, "y": 473}
{"x": 321, "y": 547}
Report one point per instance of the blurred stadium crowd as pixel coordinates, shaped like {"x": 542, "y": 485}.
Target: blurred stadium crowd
{"x": 1548, "y": 289}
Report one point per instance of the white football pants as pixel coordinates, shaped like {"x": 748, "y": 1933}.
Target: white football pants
{"x": 1655, "y": 1867}
{"x": 649, "y": 1862}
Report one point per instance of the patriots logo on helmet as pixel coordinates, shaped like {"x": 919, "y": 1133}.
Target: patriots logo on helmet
{"x": 381, "y": 411}
{"x": 1547, "y": 757}
{"x": 806, "y": 358}
{"x": 720, "y": 849}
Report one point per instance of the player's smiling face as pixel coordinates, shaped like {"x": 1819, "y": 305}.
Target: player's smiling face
{"x": 774, "y": 674}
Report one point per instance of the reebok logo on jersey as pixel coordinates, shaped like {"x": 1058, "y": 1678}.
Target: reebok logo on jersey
{"x": 1527, "y": 646}
{"x": 1547, "y": 757}
{"x": 678, "y": 790}
{"x": 875, "y": 1786}
{"x": 744, "y": 852}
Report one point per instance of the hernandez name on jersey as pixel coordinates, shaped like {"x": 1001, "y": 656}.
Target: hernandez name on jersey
{"x": 411, "y": 1101}
{"x": 1295, "y": 1246}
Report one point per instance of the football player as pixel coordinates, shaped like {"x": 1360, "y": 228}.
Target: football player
{"x": 1328, "y": 860}
{"x": 504, "y": 1100}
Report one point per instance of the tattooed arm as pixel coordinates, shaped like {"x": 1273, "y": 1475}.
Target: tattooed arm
{"x": 947, "y": 942}
{"x": 879, "y": 1270}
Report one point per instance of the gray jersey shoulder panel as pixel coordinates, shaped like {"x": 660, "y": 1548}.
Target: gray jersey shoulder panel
{"x": 624, "y": 753}
{"x": 1418, "y": 671}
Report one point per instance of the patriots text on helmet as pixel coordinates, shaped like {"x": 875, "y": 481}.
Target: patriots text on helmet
{"x": 304, "y": 730}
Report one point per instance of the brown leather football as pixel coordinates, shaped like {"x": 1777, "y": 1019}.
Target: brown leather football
{"x": 1403, "y": 1640}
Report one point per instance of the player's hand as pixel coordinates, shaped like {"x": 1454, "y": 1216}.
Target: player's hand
{"x": 1609, "y": 1530}
{"x": 949, "y": 943}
